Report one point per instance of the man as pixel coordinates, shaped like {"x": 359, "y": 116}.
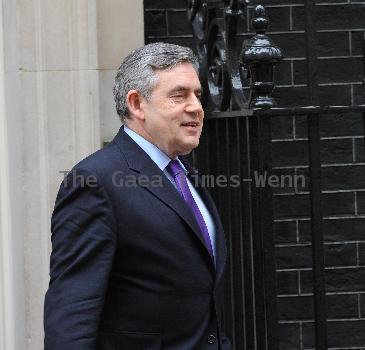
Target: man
{"x": 138, "y": 252}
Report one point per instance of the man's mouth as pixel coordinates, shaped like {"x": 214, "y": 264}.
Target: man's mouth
{"x": 191, "y": 124}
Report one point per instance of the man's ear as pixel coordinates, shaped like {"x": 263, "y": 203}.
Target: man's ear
{"x": 135, "y": 102}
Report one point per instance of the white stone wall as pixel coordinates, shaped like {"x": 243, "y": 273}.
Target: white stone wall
{"x": 57, "y": 63}
{"x": 120, "y": 30}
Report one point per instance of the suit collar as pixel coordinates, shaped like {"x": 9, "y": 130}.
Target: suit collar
{"x": 160, "y": 158}
{"x": 139, "y": 161}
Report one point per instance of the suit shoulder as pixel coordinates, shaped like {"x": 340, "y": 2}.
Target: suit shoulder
{"x": 102, "y": 162}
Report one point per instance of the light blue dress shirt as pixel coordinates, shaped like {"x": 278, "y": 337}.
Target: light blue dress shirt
{"x": 162, "y": 160}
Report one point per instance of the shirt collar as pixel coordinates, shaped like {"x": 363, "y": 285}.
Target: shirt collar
{"x": 159, "y": 157}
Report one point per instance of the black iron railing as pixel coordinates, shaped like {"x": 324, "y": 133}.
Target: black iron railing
{"x": 238, "y": 84}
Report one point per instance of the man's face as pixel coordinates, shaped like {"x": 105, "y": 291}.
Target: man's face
{"x": 174, "y": 114}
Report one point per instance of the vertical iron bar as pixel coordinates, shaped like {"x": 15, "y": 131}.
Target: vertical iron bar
{"x": 363, "y": 82}
{"x": 220, "y": 168}
{"x": 268, "y": 237}
{"x": 259, "y": 294}
{"x": 311, "y": 52}
{"x": 319, "y": 287}
{"x": 225, "y": 198}
{"x": 363, "y": 65}
{"x": 207, "y": 155}
{"x": 247, "y": 239}
{"x": 235, "y": 211}
{"x": 262, "y": 213}
{"x": 363, "y": 121}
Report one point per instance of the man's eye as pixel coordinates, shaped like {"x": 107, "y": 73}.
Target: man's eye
{"x": 178, "y": 97}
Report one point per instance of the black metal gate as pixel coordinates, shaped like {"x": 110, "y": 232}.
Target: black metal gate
{"x": 236, "y": 149}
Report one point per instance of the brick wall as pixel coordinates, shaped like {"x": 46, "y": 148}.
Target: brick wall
{"x": 340, "y": 26}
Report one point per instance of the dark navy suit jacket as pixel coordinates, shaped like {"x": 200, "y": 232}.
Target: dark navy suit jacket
{"x": 129, "y": 269}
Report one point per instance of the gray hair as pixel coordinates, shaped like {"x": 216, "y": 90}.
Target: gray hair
{"x": 137, "y": 71}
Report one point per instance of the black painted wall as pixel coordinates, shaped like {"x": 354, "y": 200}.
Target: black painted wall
{"x": 341, "y": 26}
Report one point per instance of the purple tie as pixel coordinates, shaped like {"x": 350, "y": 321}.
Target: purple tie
{"x": 178, "y": 173}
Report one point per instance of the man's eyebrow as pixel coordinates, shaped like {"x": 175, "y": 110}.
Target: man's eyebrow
{"x": 184, "y": 88}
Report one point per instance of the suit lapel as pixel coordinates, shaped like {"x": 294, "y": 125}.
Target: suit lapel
{"x": 140, "y": 163}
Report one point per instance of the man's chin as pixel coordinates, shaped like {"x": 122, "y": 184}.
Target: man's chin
{"x": 188, "y": 149}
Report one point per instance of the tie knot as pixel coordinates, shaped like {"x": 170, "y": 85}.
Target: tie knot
{"x": 175, "y": 168}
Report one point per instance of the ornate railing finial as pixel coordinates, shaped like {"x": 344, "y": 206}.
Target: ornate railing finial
{"x": 259, "y": 21}
{"x": 260, "y": 54}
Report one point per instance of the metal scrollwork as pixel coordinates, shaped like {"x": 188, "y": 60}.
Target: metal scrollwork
{"x": 230, "y": 75}
{"x": 260, "y": 55}
{"x": 233, "y": 13}
{"x": 197, "y": 14}
{"x": 192, "y": 9}
{"x": 218, "y": 77}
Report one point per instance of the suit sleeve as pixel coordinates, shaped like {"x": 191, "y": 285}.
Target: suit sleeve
{"x": 83, "y": 246}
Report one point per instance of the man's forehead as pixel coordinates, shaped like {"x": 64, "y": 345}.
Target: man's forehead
{"x": 180, "y": 77}
{"x": 181, "y": 87}
{"x": 185, "y": 67}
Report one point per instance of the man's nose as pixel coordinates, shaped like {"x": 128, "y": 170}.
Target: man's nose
{"x": 194, "y": 105}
